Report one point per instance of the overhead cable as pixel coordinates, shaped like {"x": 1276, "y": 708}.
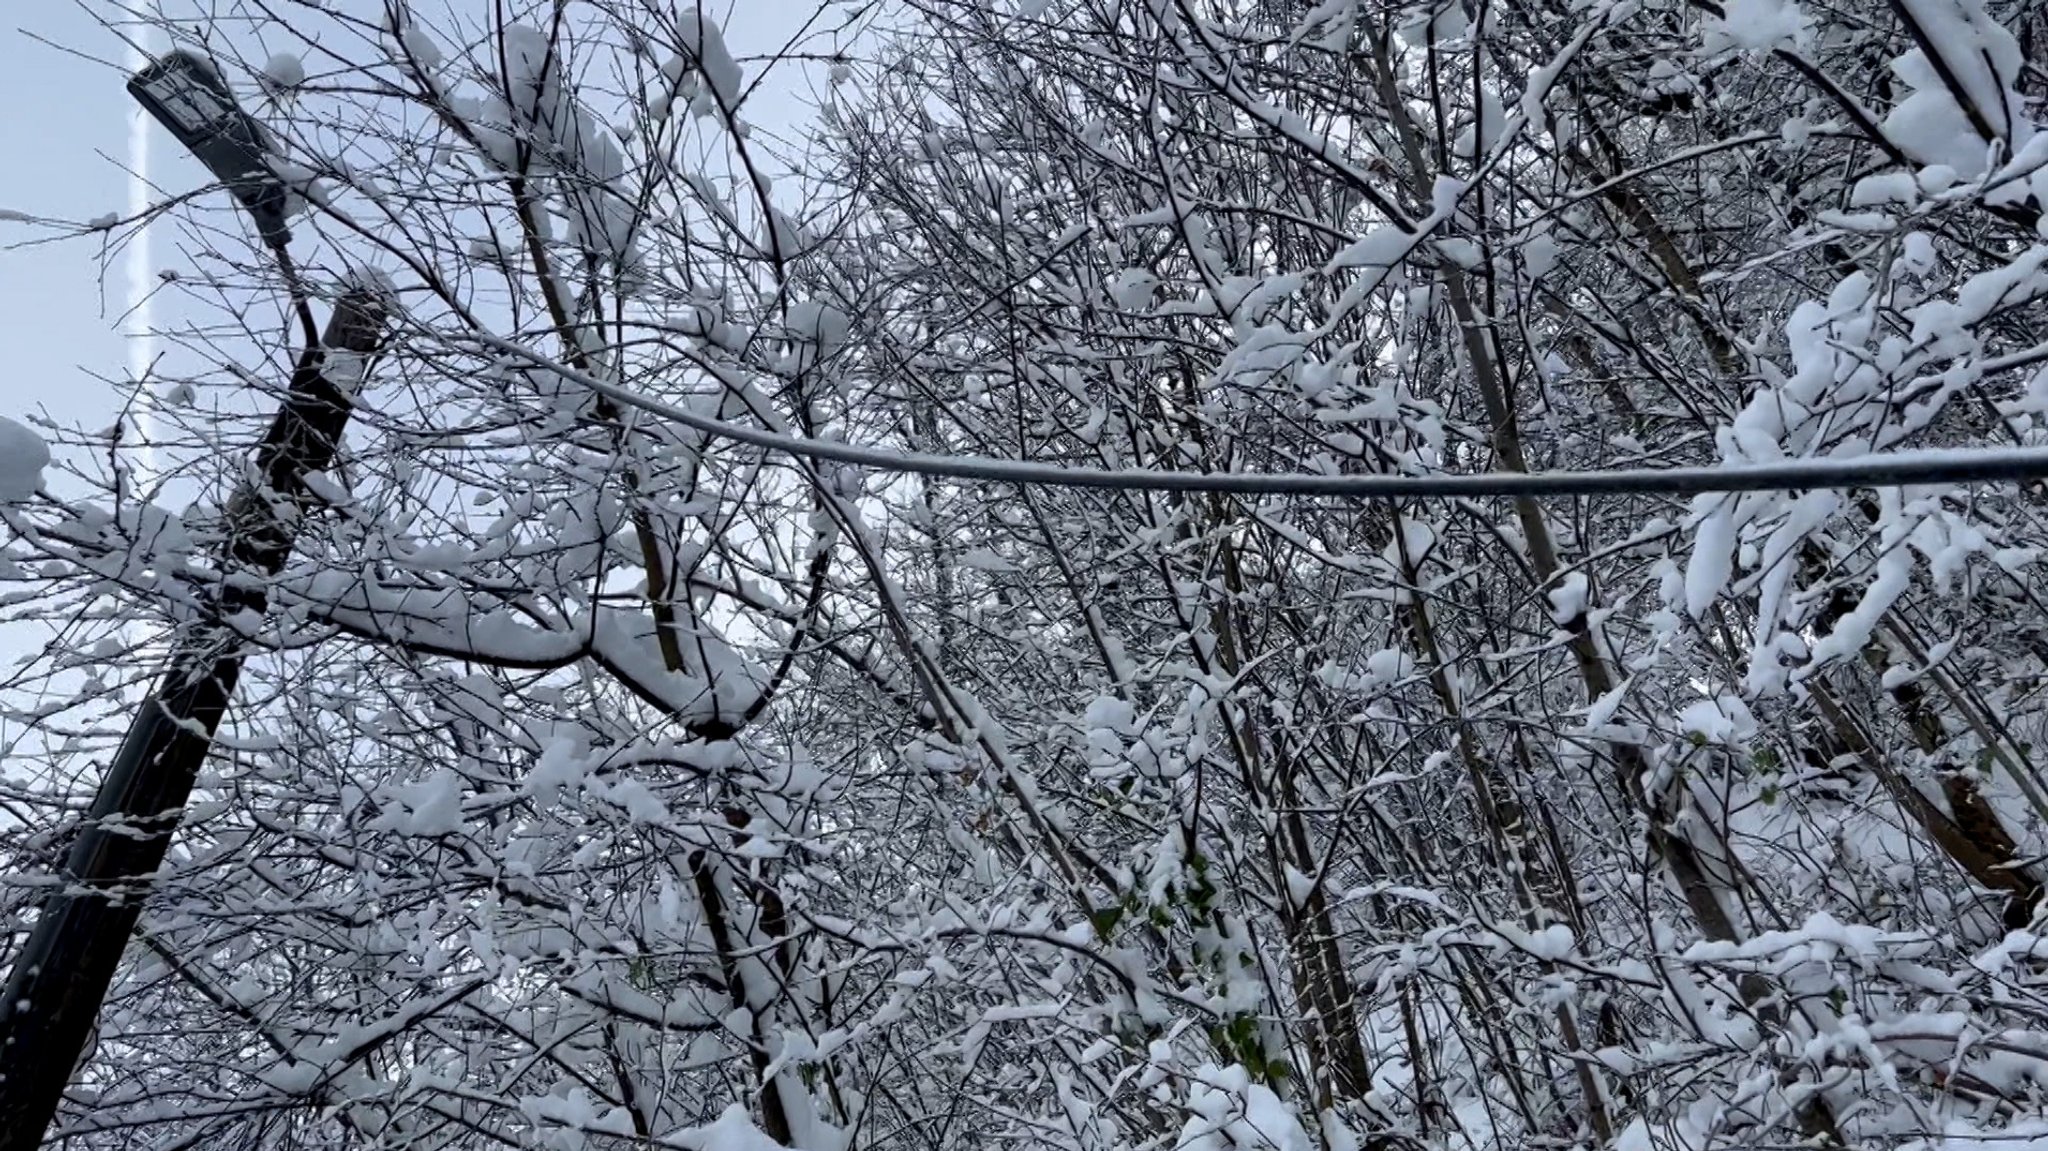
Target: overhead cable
{"x": 1870, "y": 470}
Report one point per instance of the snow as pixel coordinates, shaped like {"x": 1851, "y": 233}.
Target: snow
{"x": 561, "y": 767}
{"x": 1229, "y": 1112}
{"x": 1899, "y": 675}
{"x": 1389, "y": 665}
{"x": 985, "y": 559}
{"x": 704, "y": 43}
{"x": 1133, "y": 289}
{"x": 375, "y": 281}
{"x": 1601, "y": 711}
{"x": 602, "y": 215}
{"x": 635, "y": 798}
{"x": 1460, "y": 251}
{"x": 531, "y": 103}
{"x": 1894, "y": 572}
{"x": 1383, "y": 247}
{"x": 1916, "y": 250}
{"x": 1885, "y": 188}
{"x": 1056, "y": 764}
{"x": 1107, "y": 712}
{"x": 1568, "y": 598}
{"x": 284, "y": 72}
{"x": 576, "y": 1110}
{"x": 819, "y": 329}
{"x": 302, "y": 185}
{"x": 781, "y": 236}
{"x": 1933, "y": 126}
{"x": 431, "y": 807}
{"x": 733, "y": 1130}
{"x": 1757, "y": 26}
{"x": 1935, "y": 179}
{"x": 1539, "y": 255}
{"x": 1550, "y": 944}
{"x": 1724, "y": 720}
{"x": 23, "y": 456}
{"x": 420, "y": 47}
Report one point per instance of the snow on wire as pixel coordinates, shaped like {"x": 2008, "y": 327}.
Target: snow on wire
{"x": 1883, "y": 469}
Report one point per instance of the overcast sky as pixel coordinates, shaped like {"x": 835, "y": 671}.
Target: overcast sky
{"x": 63, "y": 133}
{"x": 64, "y": 147}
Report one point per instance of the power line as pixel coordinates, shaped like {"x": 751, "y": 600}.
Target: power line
{"x": 1886, "y": 469}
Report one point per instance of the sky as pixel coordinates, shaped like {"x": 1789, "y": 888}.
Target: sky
{"x": 65, "y": 155}
{"x": 63, "y": 137}
{"x": 65, "y": 144}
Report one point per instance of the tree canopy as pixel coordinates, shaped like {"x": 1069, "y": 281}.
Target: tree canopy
{"x": 596, "y": 778}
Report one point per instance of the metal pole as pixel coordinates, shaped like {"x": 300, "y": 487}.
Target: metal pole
{"x": 61, "y": 977}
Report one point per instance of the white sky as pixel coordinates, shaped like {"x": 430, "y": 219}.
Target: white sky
{"x": 63, "y": 133}
{"x": 64, "y": 147}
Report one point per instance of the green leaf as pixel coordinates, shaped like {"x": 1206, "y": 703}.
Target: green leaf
{"x": 1104, "y": 920}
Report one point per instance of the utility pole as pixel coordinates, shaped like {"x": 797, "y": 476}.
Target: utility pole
{"x": 60, "y": 978}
